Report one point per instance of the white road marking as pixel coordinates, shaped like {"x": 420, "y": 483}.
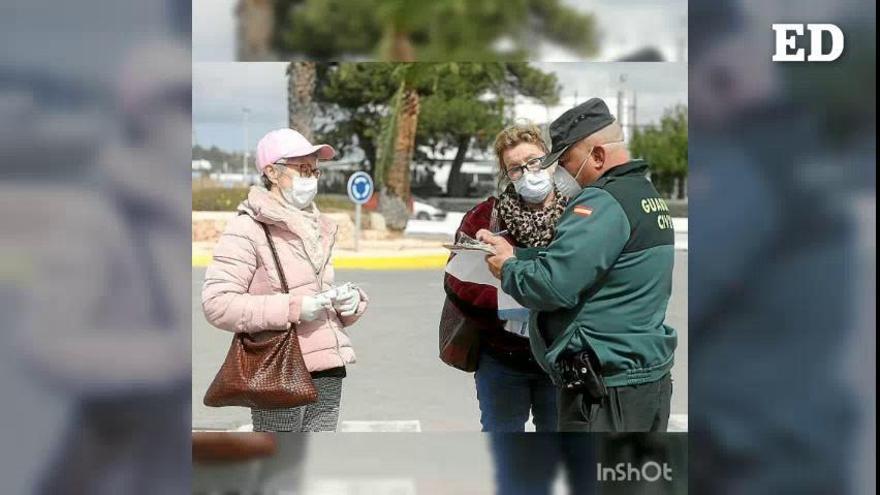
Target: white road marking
{"x": 530, "y": 424}
{"x": 395, "y": 486}
{"x": 678, "y": 422}
{"x": 408, "y": 426}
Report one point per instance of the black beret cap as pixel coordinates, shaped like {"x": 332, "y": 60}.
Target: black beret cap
{"x": 576, "y": 124}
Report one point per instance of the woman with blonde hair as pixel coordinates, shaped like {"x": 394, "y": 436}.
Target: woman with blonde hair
{"x": 509, "y": 382}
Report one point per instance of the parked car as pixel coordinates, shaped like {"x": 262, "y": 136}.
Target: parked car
{"x": 422, "y": 210}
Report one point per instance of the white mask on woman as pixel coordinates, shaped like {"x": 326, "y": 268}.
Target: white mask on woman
{"x": 534, "y": 187}
{"x": 301, "y": 192}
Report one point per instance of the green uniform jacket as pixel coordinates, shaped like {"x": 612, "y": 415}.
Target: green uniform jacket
{"x": 604, "y": 281}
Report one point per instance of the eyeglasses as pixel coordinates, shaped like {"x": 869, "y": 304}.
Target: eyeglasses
{"x": 516, "y": 172}
{"x": 301, "y": 169}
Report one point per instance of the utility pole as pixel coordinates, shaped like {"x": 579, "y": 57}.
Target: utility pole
{"x": 681, "y": 41}
{"x": 621, "y": 107}
{"x": 244, "y": 156}
{"x": 635, "y": 122}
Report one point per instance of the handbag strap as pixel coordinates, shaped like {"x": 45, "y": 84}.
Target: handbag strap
{"x": 493, "y": 220}
{"x": 275, "y": 257}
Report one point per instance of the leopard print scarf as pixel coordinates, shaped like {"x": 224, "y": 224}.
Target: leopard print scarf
{"x": 531, "y": 228}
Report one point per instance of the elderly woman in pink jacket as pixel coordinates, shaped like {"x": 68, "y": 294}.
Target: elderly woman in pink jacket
{"x": 243, "y": 292}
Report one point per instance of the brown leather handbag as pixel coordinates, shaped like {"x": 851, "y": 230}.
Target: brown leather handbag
{"x": 263, "y": 370}
{"x": 459, "y": 338}
{"x": 460, "y": 329}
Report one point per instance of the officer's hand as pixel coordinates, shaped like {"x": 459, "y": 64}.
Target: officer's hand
{"x": 503, "y": 251}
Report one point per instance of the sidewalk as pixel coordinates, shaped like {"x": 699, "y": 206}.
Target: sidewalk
{"x": 389, "y": 254}
{"x": 378, "y": 250}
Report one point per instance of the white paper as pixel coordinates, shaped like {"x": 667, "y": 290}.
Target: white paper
{"x": 471, "y": 266}
{"x": 505, "y": 301}
{"x": 516, "y": 316}
{"x": 520, "y": 328}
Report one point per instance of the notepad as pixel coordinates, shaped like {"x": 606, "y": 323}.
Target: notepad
{"x": 468, "y": 243}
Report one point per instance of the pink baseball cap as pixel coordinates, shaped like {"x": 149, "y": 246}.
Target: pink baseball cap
{"x": 287, "y": 143}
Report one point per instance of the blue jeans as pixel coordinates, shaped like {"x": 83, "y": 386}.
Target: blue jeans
{"x": 528, "y": 464}
{"x": 506, "y": 395}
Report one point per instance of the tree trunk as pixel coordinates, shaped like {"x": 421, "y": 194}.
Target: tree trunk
{"x": 662, "y": 184}
{"x": 300, "y": 93}
{"x": 397, "y": 45}
{"x": 456, "y": 186}
{"x": 254, "y": 30}
{"x": 398, "y": 176}
{"x": 394, "y": 200}
{"x": 401, "y": 48}
{"x": 369, "y": 147}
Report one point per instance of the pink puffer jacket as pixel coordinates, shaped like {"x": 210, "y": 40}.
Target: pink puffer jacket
{"x": 242, "y": 291}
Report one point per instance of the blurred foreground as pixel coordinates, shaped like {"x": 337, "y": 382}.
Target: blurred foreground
{"x": 427, "y": 464}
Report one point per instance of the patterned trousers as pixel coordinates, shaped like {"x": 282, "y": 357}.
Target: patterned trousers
{"x": 321, "y": 415}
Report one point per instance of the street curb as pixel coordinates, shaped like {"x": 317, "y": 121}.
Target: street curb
{"x": 348, "y": 262}
{"x": 412, "y": 262}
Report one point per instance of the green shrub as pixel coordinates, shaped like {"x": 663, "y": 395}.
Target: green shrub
{"x": 333, "y": 203}
{"x": 227, "y": 199}
{"x": 217, "y": 198}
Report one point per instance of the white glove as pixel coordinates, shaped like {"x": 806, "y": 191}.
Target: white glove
{"x": 312, "y": 306}
{"x": 347, "y": 300}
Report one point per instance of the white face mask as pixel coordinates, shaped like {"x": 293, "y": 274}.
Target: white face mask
{"x": 567, "y": 184}
{"x": 534, "y": 187}
{"x": 302, "y": 192}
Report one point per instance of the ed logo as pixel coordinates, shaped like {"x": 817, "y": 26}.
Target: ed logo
{"x": 786, "y": 41}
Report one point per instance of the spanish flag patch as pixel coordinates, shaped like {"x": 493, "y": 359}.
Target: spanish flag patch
{"x": 582, "y": 210}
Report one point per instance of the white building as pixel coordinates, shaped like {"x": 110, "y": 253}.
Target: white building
{"x": 542, "y": 115}
{"x": 201, "y": 165}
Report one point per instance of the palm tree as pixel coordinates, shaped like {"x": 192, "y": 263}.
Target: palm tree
{"x": 300, "y": 93}
{"x": 398, "y": 146}
{"x": 398, "y": 18}
{"x": 255, "y": 23}
{"x": 398, "y": 176}
{"x": 435, "y": 30}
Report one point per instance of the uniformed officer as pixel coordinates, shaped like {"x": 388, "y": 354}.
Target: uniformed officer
{"x": 600, "y": 289}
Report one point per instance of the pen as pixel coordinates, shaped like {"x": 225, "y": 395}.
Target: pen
{"x": 500, "y": 232}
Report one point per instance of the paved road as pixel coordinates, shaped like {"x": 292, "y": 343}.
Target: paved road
{"x": 398, "y": 376}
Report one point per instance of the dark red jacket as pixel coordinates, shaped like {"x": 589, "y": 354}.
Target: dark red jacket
{"x": 480, "y": 301}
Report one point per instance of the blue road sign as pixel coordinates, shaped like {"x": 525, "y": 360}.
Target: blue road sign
{"x": 360, "y": 187}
